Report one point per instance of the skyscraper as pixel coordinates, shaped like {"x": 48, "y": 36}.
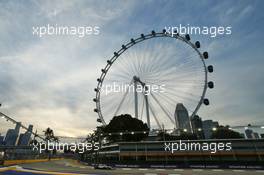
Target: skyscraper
{"x": 12, "y": 134}
{"x": 197, "y": 126}
{"x": 255, "y": 135}
{"x": 1, "y": 140}
{"x": 24, "y": 139}
{"x": 262, "y": 136}
{"x": 208, "y": 126}
{"x": 249, "y": 133}
{"x": 182, "y": 119}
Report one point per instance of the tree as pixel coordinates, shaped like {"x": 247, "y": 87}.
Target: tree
{"x": 168, "y": 137}
{"x": 49, "y": 137}
{"x": 121, "y": 127}
{"x": 224, "y": 132}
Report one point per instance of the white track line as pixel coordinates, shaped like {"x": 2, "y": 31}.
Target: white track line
{"x": 238, "y": 170}
{"x": 160, "y": 169}
{"x": 260, "y": 171}
{"x": 21, "y": 169}
{"x": 142, "y": 169}
{"x": 197, "y": 170}
{"x": 217, "y": 170}
{"x": 178, "y": 169}
{"x": 126, "y": 168}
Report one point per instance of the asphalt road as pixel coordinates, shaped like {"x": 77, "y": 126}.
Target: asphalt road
{"x": 70, "y": 166}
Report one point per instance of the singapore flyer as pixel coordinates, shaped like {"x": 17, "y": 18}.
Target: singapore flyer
{"x": 171, "y": 64}
{"x": 131, "y": 87}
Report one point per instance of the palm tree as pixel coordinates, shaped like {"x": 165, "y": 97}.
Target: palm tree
{"x": 49, "y": 135}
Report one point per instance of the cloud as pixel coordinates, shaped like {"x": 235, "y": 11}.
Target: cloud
{"x": 49, "y": 81}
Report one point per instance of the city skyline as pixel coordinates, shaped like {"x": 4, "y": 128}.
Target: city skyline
{"x": 48, "y": 83}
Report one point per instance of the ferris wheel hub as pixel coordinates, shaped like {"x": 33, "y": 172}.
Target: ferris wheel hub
{"x": 137, "y": 79}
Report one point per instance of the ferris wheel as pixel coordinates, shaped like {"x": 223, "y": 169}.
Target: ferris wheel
{"x": 150, "y": 75}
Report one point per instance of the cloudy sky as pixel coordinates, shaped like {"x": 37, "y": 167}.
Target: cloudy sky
{"x": 49, "y": 81}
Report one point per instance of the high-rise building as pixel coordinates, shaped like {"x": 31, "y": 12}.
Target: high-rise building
{"x": 197, "y": 126}
{"x": 249, "y": 133}
{"x": 255, "y": 135}
{"x": 208, "y": 127}
{"x": 1, "y": 140}
{"x": 262, "y": 136}
{"x": 215, "y": 124}
{"x": 182, "y": 119}
{"x": 12, "y": 135}
{"x": 25, "y": 138}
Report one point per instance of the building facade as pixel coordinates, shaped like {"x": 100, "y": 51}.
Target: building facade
{"x": 197, "y": 126}
{"x": 2, "y": 140}
{"x": 244, "y": 152}
{"x": 208, "y": 128}
{"x": 25, "y": 138}
{"x": 249, "y": 133}
{"x": 182, "y": 119}
{"x": 12, "y": 135}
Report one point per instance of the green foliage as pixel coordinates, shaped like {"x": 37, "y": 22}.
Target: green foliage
{"x": 125, "y": 123}
{"x": 49, "y": 135}
{"x": 223, "y": 132}
{"x": 184, "y": 136}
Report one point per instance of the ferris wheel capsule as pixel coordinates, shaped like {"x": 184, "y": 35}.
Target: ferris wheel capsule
{"x": 197, "y": 44}
{"x": 211, "y": 84}
{"x": 205, "y": 55}
{"x": 206, "y": 101}
{"x": 187, "y": 36}
{"x": 133, "y": 41}
{"x": 176, "y": 32}
{"x": 210, "y": 69}
{"x": 109, "y": 62}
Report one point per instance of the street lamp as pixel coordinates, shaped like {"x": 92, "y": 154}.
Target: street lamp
{"x": 214, "y": 129}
